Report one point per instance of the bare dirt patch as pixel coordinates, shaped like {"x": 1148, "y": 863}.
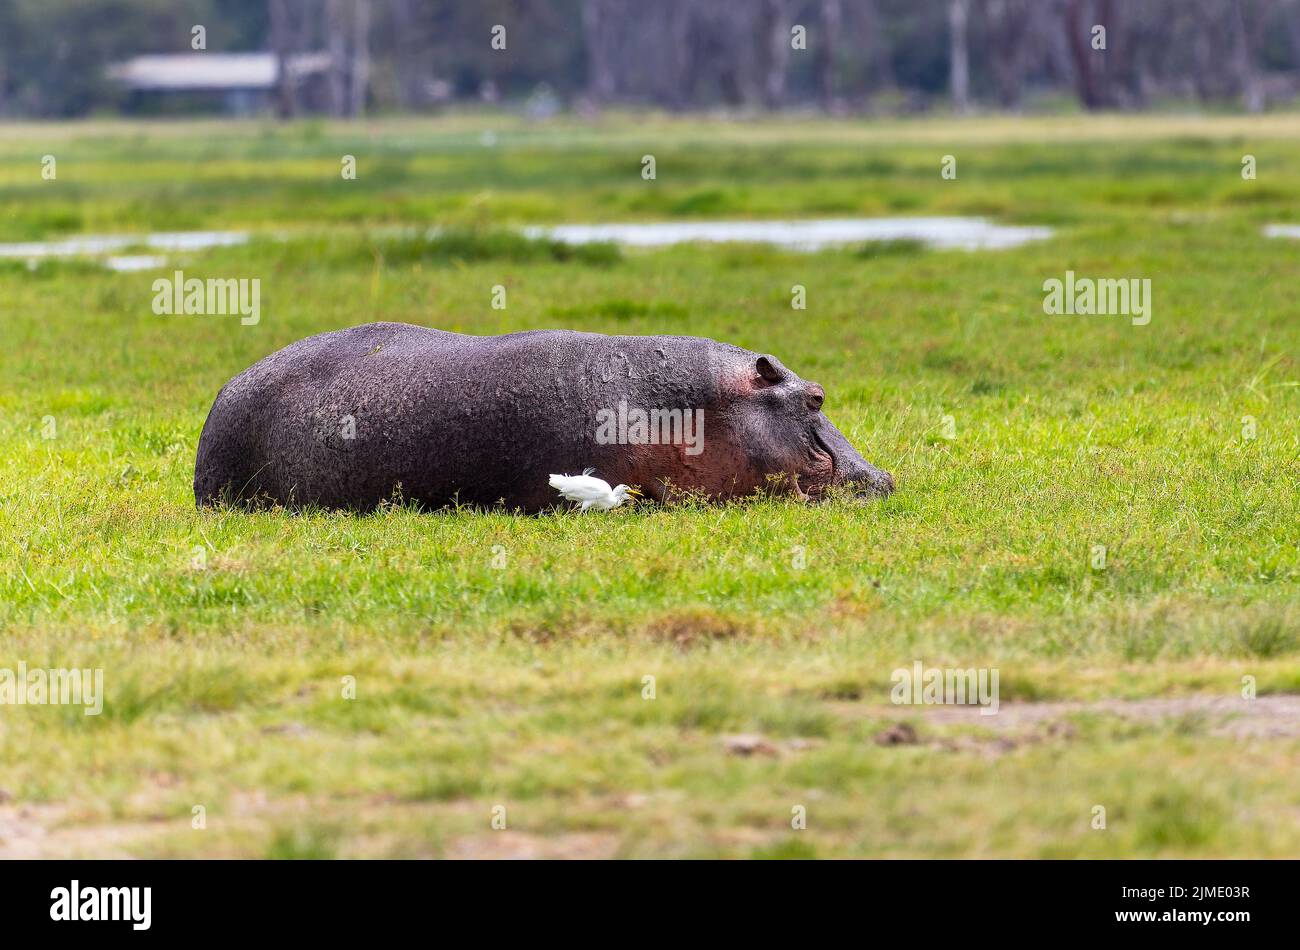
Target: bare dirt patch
{"x": 522, "y": 846}
{"x": 1273, "y": 717}
{"x": 37, "y": 831}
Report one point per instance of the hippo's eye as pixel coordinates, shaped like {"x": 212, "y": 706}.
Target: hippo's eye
{"x": 769, "y": 370}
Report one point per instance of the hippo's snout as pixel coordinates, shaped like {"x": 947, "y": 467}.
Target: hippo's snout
{"x": 866, "y": 479}
{"x": 851, "y": 469}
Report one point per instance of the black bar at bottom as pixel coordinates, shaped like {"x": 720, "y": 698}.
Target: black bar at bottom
{"x": 1218, "y": 900}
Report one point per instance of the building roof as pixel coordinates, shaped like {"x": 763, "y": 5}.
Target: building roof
{"x": 202, "y": 71}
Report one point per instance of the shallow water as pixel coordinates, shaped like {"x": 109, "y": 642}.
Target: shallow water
{"x": 130, "y": 262}
{"x": 964, "y": 233}
{"x": 809, "y": 235}
{"x": 97, "y": 245}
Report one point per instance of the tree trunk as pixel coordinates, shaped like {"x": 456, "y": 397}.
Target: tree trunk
{"x": 282, "y": 47}
{"x": 1010, "y": 20}
{"x": 336, "y": 31}
{"x": 1252, "y": 92}
{"x": 600, "y": 69}
{"x": 958, "y": 54}
{"x": 1086, "y": 80}
{"x": 1293, "y": 29}
{"x": 775, "y": 35}
{"x": 409, "y": 55}
{"x": 824, "y": 47}
{"x": 360, "y": 56}
{"x": 684, "y": 69}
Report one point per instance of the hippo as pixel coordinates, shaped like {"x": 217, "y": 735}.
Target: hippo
{"x": 384, "y": 412}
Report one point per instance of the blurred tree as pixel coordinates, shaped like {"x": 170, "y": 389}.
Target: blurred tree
{"x": 958, "y": 54}
{"x": 680, "y": 54}
{"x": 360, "y": 57}
{"x": 824, "y": 44}
{"x": 1252, "y": 93}
{"x": 283, "y": 46}
{"x": 1082, "y": 18}
{"x": 1009, "y": 23}
{"x": 53, "y": 53}
{"x": 598, "y": 31}
{"x": 773, "y": 42}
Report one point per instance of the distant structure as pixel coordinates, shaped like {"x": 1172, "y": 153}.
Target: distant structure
{"x": 243, "y": 83}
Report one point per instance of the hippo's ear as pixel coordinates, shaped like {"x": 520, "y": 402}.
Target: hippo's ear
{"x": 770, "y": 369}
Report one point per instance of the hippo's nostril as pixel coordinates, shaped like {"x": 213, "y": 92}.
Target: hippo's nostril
{"x": 871, "y": 481}
{"x": 816, "y": 396}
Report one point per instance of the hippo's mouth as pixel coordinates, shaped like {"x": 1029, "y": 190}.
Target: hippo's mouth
{"x": 830, "y": 468}
{"x": 822, "y": 472}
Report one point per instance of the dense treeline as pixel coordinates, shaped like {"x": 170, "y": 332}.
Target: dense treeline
{"x": 838, "y": 55}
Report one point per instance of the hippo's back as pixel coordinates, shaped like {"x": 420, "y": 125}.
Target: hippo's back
{"x": 354, "y": 417}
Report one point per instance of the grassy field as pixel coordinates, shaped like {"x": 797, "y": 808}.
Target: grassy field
{"x": 499, "y": 662}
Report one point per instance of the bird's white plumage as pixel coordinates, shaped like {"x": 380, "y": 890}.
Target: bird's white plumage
{"x": 589, "y": 491}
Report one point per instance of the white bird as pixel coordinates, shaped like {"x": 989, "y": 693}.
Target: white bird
{"x": 592, "y": 492}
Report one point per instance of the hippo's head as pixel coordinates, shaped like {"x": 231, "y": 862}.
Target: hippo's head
{"x": 784, "y": 431}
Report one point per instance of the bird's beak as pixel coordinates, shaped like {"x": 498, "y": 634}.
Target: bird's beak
{"x": 634, "y": 492}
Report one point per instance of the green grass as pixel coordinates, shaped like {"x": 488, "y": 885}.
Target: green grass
{"x": 226, "y": 636}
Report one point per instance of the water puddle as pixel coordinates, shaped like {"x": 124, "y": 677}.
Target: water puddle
{"x": 130, "y": 262}
{"x": 973, "y": 234}
{"x": 104, "y": 246}
{"x": 811, "y": 235}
